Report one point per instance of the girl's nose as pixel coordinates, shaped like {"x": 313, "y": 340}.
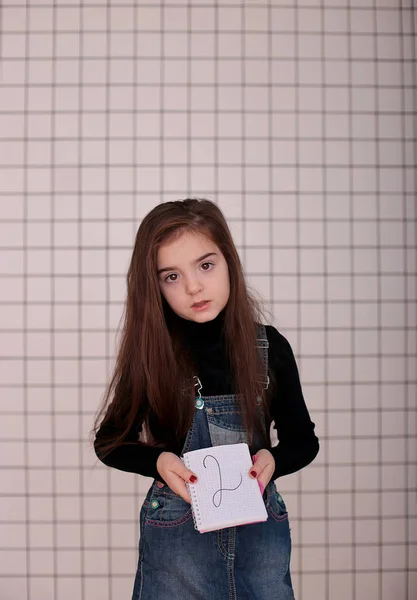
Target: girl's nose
{"x": 193, "y": 286}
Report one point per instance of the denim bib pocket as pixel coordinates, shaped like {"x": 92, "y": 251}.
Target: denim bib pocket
{"x": 226, "y": 426}
{"x": 167, "y": 509}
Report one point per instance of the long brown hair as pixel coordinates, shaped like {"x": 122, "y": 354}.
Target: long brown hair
{"x": 152, "y": 382}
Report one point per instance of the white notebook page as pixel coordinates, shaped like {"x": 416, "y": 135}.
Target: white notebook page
{"x": 224, "y": 495}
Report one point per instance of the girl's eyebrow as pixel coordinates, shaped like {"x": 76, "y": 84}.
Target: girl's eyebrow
{"x": 197, "y": 260}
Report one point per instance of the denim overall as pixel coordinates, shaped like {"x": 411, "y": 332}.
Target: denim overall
{"x": 249, "y": 562}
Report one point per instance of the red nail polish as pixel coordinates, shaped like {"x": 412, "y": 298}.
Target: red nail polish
{"x": 193, "y": 478}
{"x": 254, "y": 458}
{"x": 253, "y": 473}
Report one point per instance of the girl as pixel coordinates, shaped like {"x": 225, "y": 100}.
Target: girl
{"x": 192, "y": 325}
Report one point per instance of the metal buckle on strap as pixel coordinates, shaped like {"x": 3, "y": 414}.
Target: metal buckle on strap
{"x": 265, "y": 380}
{"x": 262, "y": 343}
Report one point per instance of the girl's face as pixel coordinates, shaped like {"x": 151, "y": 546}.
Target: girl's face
{"x": 192, "y": 269}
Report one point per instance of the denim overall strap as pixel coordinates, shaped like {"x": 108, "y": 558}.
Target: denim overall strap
{"x": 263, "y": 345}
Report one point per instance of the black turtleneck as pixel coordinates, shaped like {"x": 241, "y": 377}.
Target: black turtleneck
{"x": 298, "y": 444}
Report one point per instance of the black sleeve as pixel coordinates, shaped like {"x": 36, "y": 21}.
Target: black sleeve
{"x": 133, "y": 457}
{"x": 297, "y": 442}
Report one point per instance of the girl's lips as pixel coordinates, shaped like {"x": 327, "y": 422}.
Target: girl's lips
{"x": 201, "y": 306}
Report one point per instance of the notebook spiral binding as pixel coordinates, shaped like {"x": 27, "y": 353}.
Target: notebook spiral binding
{"x": 194, "y": 504}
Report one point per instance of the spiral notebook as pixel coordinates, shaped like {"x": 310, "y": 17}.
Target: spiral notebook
{"x": 224, "y": 495}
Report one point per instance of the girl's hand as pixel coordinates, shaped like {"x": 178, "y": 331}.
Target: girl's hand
{"x": 263, "y": 468}
{"x": 175, "y": 473}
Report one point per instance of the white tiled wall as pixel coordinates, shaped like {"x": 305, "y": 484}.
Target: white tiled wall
{"x": 297, "y": 118}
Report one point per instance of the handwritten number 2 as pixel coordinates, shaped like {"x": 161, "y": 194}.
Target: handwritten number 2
{"x": 221, "y": 489}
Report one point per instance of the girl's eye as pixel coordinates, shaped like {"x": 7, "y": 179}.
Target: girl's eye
{"x": 168, "y": 277}
{"x": 206, "y": 263}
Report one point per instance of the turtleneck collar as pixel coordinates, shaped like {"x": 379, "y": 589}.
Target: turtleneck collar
{"x": 209, "y": 332}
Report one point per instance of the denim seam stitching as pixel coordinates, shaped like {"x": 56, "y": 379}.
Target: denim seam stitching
{"x": 167, "y": 524}
{"x": 141, "y": 579}
{"x": 220, "y": 544}
{"x": 228, "y": 427}
{"x": 219, "y": 397}
{"x": 226, "y": 411}
{"x": 231, "y": 564}
{"x": 188, "y": 441}
{"x": 276, "y": 517}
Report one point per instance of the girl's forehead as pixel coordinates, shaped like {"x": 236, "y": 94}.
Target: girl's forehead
{"x": 186, "y": 249}
{"x": 187, "y": 241}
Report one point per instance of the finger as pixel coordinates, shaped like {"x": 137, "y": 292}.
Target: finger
{"x": 253, "y": 472}
{"x": 265, "y": 477}
{"x": 256, "y": 472}
{"x": 261, "y": 460}
{"x": 177, "y": 485}
{"x": 179, "y": 469}
{"x": 262, "y": 472}
{"x": 263, "y": 469}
